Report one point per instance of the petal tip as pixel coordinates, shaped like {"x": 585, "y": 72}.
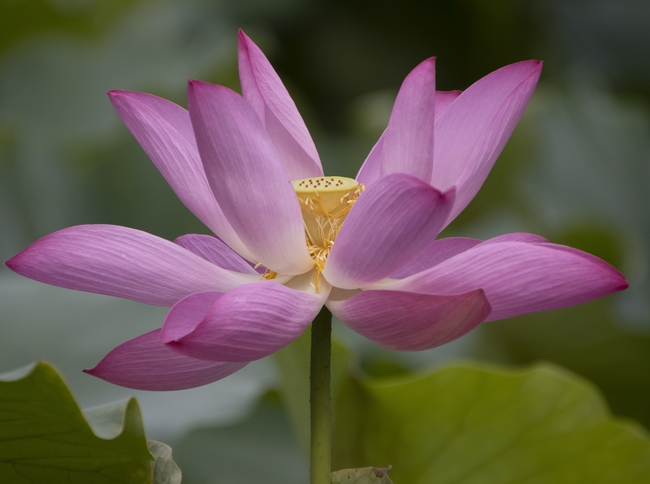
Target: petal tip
{"x": 11, "y": 263}
{"x": 17, "y": 262}
{"x": 242, "y": 37}
{"x": 194, "y": 83}
{"x": 622, "y": 282}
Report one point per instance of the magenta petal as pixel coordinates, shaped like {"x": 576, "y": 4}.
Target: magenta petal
{"x": 443, "y": 100}
{"x": 187, "y": 314}
{"x": 408, "y": 140}
{"x": 519, "y": 277}
{"x": 216, "y": 251}
{"x": 145, "y": 363}
{"x": 122, "y": 262}
{"x": 371, "y": 169}
{"x": 437, "y": 252}
{"x": 264, "y": 90}
{"x": 164, "y": 131}
{"x": 388, "y": 227}
{"x": 517, "y": 237}
{"x": 473, "y": 130}
{"x": 408, "y": 321}
{"x": 247, "y": 178}
{"x": 247, "y": 323}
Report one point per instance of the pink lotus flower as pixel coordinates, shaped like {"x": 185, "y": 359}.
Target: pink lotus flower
{"x": 284, "y": 249}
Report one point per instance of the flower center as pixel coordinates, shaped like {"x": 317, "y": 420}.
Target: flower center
{"x": 325, "y": 202}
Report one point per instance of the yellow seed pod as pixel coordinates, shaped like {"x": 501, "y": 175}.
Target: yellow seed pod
{"x": 325, "y": 202}
{"x": 365, "y": 475}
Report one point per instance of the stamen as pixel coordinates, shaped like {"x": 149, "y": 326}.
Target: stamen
{"x": 269, "y": 274}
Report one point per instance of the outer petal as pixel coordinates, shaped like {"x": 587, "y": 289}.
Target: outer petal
{"x": 408, "y": 140}
{"x": 187, "y": 314}
{"x": 214, "y": 250}
{"x": 122, "y": 262}
{"x": 519, "y": 277}
{"x": 388, "y": 227}
{"x": 145, "y": 363}
{"x": 517, "y": 237}
{"x": 474, "y": 128}
{"x": 247, "y": 178}
{"x": 247, "y": 323}
{"x": 164, "y": 131}
{"x": 437, "y": 252}
{"x": 264, "y": 90}
{"x": 408, "y": 321}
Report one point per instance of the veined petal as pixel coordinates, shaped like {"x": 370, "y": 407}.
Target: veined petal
{"x": 388, "y": 227}
{"x": 247, "y": 323}
{"x": 145, "y": 363}
{"x": 122, "y": 262}
{"x": 473, "y": 130}
{"x": 519, "y": 277}
{"x": 247, "y": 178}
{"x": 370, "y": 170}
{"x": 440, "y": 250}
{"x": 164, "y": 131}
{"x": 187, "y": 314}
{"x": 408, "y": 321}
{"x": 443, "y": 100}
{"x": 264, "y": 90}
{"x": 216, "y": 251}
{"x": 408, "y": 140}
{"x": 517, "y": 237}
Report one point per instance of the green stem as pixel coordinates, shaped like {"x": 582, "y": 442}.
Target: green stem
{"x": 320, "y": 399}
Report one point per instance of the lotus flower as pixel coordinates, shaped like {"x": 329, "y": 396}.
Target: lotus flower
{"x": 290, "y": 240}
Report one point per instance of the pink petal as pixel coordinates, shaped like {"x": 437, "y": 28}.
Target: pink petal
{"x": 370, "y": 171}
{"x": 247, "y": 323}
{"x": 264, "y": 90}
{"x": 187, "y": 313}
{"x": 474, "y": 128}
{"x": 388, "y": 227}
{"x": 517, "y": 237}
{"x": 248, "y": 179}
{"x": 519, "y": 277}
{"x": 122, "y": 262}
{"x": 408, "y": 321}
{"x": 443, "y": 100}
{"x": 437, "y": 252}
{"x": 164, "y": 131}
{"x": 145, "y": 363}
{"x": 216, "y": 251}
{"x": 408, "y": 140}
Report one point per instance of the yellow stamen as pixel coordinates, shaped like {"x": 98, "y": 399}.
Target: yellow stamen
{"x": 269, "y": 274}
{"x": 325, "y": 202}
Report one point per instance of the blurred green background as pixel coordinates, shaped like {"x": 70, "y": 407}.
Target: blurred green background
{"x": 577, "y": 171}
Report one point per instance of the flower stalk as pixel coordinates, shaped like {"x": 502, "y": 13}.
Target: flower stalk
{"x": 320, "y": 399}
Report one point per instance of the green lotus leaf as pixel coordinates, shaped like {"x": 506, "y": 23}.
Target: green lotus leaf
{"x": 587, "y": 340}
{"x": 474, "y": 423}
{"x": 45, "y": 438}
{"x": 471, "y": 423}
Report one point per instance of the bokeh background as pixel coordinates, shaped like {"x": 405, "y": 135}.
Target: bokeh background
{"x": 577, "y": 171}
